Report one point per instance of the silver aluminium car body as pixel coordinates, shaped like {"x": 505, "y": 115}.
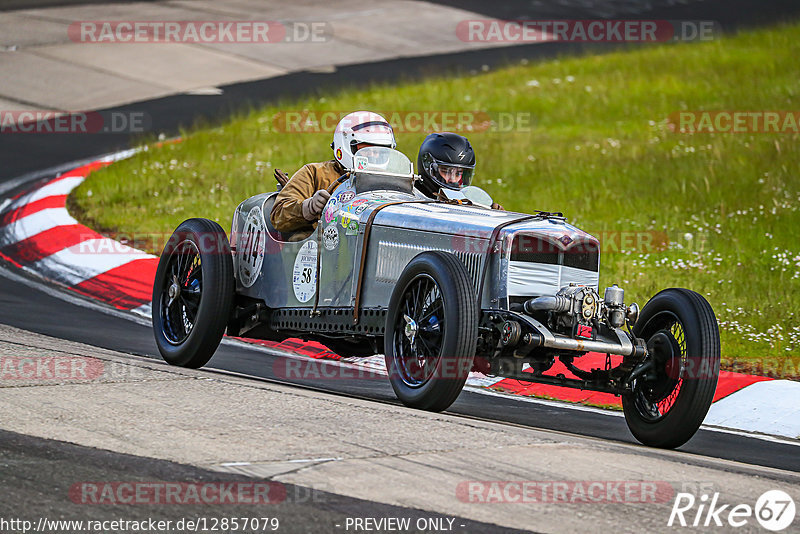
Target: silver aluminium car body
{"x": 399, "y": 233}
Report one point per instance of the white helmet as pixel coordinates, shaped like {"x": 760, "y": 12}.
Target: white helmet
{"x": 360, "y": 127}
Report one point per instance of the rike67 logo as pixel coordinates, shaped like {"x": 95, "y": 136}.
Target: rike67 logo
{"x": 774, "y": 510}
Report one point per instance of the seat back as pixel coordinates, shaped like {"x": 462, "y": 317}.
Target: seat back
{"x": 273, "y": 232}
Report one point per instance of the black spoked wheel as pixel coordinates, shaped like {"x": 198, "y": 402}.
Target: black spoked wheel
{"x": 419, "y": 331}
{"x": 669, "y": 402}
{"x": 193, "y": 293}
{"x": 180, "y": 299}
{"x": 431, "y": 331}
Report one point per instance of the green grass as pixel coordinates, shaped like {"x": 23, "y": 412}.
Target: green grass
{"x": 598, "y": 150}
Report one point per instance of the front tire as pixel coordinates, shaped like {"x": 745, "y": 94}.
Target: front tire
{"x": 668, "y": 404}
{"x": 431, "y": 331}
{"x": 193, "y": 293}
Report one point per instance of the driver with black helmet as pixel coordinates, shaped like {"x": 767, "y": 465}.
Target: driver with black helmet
{"x": 446, "y": 160}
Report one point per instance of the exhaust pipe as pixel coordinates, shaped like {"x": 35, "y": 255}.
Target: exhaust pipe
{"x": 541, "y": 337}
{"x": 587, "y": 345}
{"x": 557, "y": 304}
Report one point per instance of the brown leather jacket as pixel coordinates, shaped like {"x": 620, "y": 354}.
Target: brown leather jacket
{"x": 287, "y": 212}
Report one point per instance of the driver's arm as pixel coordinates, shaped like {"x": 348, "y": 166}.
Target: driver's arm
{"x": 287, "y": 212}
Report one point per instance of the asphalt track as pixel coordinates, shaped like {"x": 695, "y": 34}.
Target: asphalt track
{"x": 23, "y": 305}
{"x": 56, "y": 465}
{"x": 26, "y": 306}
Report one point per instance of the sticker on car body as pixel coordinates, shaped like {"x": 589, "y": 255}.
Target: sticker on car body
{"x": 330, "y": 237}
{"x": 304, "y": 274}
{"x": 331, "y": 209}
{"x": 251, "y": 252}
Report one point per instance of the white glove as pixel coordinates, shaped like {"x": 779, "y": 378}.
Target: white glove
{"x": 312, "y": 207}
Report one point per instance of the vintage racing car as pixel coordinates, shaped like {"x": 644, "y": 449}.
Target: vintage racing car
{"x": 440, "y": 287}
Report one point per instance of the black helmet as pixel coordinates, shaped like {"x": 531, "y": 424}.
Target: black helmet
{"x": 445, "y": 160}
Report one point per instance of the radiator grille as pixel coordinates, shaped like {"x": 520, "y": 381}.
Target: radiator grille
{"x": 393, "y": 258}
{"x": 531, "y": 249}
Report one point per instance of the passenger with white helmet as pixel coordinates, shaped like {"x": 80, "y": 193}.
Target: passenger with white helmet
{"x": 299, "y": 204}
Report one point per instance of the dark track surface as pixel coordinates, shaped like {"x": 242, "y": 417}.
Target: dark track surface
{"x": 731, "y": 14}
{"x": 57, "y": 466}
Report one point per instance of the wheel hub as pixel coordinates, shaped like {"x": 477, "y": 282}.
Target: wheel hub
{"x": 411, "y": 328}
{"x": 173, "y": 291}
{"x": 666, "y": 354}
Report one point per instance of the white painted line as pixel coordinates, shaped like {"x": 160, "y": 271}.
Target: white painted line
{"x": 481, "y": 380}
{"x": 125, "y": 154}
{"x": 78, "y": 263}
{"x": 772, "y": 407}
{"x": 306, "y": 460}
{"x": 375, "y": 364}
{"x": 145, "y": 310}
{"x": 33, "y": 224}
{"x": 60, "y": 187}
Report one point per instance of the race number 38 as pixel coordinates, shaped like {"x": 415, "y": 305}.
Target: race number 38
{"x": 251, "y": 251}
{"x": 304, "y": 275}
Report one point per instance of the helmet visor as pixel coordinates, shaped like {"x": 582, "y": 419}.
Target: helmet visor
{"x": 382, "y": 160}
{"x": 451, "y": 175}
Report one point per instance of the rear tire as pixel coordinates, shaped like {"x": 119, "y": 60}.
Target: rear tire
{"x": 431, "y": 331}
{"x": 193, "y": 293}
{"x": 668, "y": 405}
